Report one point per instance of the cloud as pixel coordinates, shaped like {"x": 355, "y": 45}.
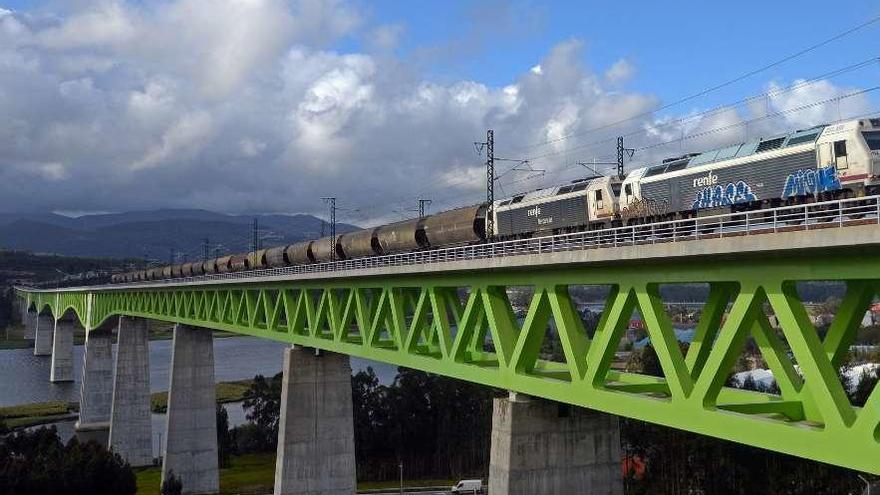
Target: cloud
{"x": 620, "y": 71}
{"x": 244, "y": 105}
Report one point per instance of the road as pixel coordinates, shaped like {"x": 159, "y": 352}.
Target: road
{"x": 406, "y": 492}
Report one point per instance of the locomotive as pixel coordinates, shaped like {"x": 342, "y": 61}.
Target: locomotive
{"x": 825, "y": 162}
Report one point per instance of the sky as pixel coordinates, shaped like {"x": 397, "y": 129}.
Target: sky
{"x": 247, "y": 106}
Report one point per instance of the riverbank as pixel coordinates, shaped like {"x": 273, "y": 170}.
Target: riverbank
{"x": 225, "y": 392}
{"x": 255, "y": 473}
{"x": 27, "y": 415}
{"x": 12, "y": 336}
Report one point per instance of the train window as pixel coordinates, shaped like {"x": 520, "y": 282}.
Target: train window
{"x": 840, "y": 148}
{"x": 599, "y": 203}
{"x": 672, "y": 167}
{"x": 579, "y": 187}
{"x": 565, "y": 189}
{"x": 873, "y": 139}
{"x": 628, "y": 189}
{"x": 517, "y": 199}
{"x": 770, "y": 144}
{"x": 615, "y": 188}
{"x": 803, "y": 138}
{"x": 655, "y": 171}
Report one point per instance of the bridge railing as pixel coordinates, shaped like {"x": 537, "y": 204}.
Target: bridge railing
{"x": 827, "y": 214}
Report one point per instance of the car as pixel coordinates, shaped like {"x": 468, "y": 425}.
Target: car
{"x": 468, "y": 486}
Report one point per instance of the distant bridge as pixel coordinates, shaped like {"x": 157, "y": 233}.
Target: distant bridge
{"x": 448, "y": 312}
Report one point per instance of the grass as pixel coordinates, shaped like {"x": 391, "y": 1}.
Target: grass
{"x": 382, "y": 485}
{"x": 249, "y": 473}
{"x": 36, "y": 414}
{"x": 226, "y": 392}
{"x": 255, "y": 473}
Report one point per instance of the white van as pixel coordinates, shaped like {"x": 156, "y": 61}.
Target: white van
{"x": 468, "y": 486}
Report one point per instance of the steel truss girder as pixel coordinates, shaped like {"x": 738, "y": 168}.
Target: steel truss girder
{"x": 420, "y": 322}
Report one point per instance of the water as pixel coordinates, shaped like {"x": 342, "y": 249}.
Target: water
{"x": 24, "y": 378}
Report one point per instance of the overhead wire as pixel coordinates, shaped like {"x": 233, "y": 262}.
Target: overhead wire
{"x": 722, "y": 85}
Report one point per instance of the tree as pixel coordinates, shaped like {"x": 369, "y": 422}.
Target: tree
{"x": 172, "y": 485}
{"x": 262, "y": 404}
{"x": 225, "y": 444}
{"x": 645, "y": 362}
{"x": 864, "y": 387}
{"x": 36, "y": 462}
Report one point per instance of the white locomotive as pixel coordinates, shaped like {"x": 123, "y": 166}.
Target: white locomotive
{"x": 823, "y": 162}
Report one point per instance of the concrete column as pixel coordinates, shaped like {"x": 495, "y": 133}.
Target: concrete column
{"x": 44, "y": 328}
{"x": 22, "y": 311}
{"x": 130, "y": 428}
{"x": 62, "y": 350}
{"x": 316, "y": 430}
{"x": 544, "y": 447}
{"x": 191, "y": 432}
{"x": 96, "y": 392}
{"x": 30, "y": 325}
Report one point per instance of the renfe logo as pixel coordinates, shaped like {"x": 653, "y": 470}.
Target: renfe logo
{"x": 534, "y": 212}
{"x": 709, "y": 180}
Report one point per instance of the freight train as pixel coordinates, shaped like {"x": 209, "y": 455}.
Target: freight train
{"x": 824, "y": 162}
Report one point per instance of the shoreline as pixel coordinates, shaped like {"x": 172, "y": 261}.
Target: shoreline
{"x": 23, "y": 416}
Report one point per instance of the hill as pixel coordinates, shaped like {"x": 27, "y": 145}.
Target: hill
{"x": 153, "y": 234}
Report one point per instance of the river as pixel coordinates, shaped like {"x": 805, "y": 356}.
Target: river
{"x": 24, "y": 378}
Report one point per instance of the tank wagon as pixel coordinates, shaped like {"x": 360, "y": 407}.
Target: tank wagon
{"x": 823, "y": 162}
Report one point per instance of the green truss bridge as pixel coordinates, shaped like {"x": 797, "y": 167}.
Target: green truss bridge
{"x": 486, "y": 319}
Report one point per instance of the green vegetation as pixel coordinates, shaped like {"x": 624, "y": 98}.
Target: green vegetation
{"x": 37, "y": 463}
{"x": 226, "y": 392}
{"x": 255, "y": 473}
{"x": 37, "y": 414}
{"x": 250, "y": 473}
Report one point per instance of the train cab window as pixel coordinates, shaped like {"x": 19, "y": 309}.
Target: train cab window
{"x": 517, "y": 199}
{"x": 579, "y": 187}
{"x": 873, "y": 139}
{"x": 599, "y": 203}
{"x": 615, "y": 188}
{"x": 841, "y": 161}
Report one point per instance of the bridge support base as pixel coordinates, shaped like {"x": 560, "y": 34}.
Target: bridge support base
{"x": 545, "y": 447}
{"x": 191, "y": 433}
{"x": 30, "y": 324}
{"x": 316, "y": 431}
{"x": 96, "y": 392}
{"x": 44, "y": 327}
{"x": 62, "y": 351}
{"x": 130, "y": 426}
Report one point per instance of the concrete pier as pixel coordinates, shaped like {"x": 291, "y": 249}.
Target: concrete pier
{"x": 96, "y": 392}
{"x": 30, "y": 324}
{"x": 62, "y": 350}
{"x": 44, "y": 328}
{"x": 544, "y": 447}
{"x": 130, "y": 427}
{"x": 191, "y": 433}
{"x": 315, "y": 432}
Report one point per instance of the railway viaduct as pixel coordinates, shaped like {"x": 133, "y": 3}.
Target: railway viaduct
{"x": 448, "y": 312}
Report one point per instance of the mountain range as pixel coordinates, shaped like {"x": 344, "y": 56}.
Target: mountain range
{"x": 156, "y": 235}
